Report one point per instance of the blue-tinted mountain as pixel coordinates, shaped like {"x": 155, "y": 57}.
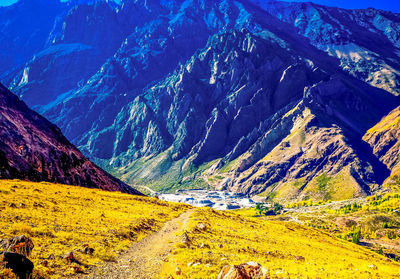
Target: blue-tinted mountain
{"x": 243, "y": 95}
{"x": 24, "y": 30}
{"x": 365, "y": 41}
{"x": 90, "y": 33}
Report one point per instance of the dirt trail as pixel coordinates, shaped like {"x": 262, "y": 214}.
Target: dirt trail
{"x": 144, "y": 259}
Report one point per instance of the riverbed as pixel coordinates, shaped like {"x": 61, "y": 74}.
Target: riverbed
{"x": 221, "y": 200}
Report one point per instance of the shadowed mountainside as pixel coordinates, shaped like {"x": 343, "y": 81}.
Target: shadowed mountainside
{"x": 33, "y": 149}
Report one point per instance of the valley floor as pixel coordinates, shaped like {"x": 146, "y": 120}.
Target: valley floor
{"x": 140, "y": 237}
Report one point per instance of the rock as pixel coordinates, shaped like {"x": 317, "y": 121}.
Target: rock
{"x": 250, "y": 270}
{"x": 19, "y": 264}
{"x": 201, "y": 226}
{"x": 19, "y": 244}
{"x": 205, "y": 245}
{"x": 88, "y": 250}
{"x": 372, "y": 266}
{"x": 70, "y": 257}
{"x": 77, "y": 269}
{"x": 299, "y": 258}
{"x": 178, "y": 271}
{"x": 185, "y": 239}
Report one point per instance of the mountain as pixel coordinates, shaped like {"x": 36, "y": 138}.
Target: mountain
{"x": 259, "y": 97}
{"x": 252, "y": 115}
{"x": 384, "y": 138}
{"x": 88, "y": 35}
{"x": 34, "y": 149}
{"x": 24, "y": 31}
{"x": 366, "y": 42}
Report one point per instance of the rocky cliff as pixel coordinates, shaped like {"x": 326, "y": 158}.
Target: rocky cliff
{"x": 32, "y": 148}
{"x": 384, "y": 139}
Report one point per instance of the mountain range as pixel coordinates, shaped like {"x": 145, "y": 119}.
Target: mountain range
{"x": 288, "y": 100}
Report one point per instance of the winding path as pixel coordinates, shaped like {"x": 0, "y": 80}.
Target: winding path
{"x": 144, "y": 259}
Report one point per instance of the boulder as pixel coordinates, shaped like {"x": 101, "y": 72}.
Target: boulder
{"x": 88, "y": 250}
{"x": 185, "y": 239}
{"x": 19, "y": 264}
{"x": 19, "y": 244}
{"x": 201, "y": 226}
{"x": 250, "y": 270}
{"x": 70, "y": 258}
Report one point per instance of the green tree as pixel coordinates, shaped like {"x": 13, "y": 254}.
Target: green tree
{"x": 260, "y": 209}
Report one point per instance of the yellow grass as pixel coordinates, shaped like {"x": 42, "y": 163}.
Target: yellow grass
{"x": 288, "y": 250}
{"x": 61, "y": 219}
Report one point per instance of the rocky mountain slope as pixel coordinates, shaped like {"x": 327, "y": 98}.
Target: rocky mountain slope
{"x": 32, "y": 148}
{"x": 366, "y": 42}
{"x": 267, "y": 97}
{"x": 384, "y": 138}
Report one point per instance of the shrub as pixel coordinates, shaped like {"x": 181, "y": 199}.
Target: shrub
{"x": 356, "y": 235}
{"x": 391, "y": 234}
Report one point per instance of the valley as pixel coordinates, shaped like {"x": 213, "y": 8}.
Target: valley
{"x": 130, "y": 236}
{"x": 271, "y": 96}
{"x": 198, "y": 139}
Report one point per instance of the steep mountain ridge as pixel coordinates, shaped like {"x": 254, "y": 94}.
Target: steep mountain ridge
{"x": 236, "y": 99}
{"x": 89, "y": 35}
{"x": 273, "y": 100}
{"x": 34, "y": 149}
{"x": 365, "y": 41}
{"x": 24, "y": 31}
{"x": 384, "y": 140}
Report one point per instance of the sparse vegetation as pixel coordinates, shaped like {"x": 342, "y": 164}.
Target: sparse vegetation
{"x": 286, "y": 249}
{"x": 61, "y": 219}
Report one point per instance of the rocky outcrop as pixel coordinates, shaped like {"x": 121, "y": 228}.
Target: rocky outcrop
{"x": 365, "y": 41}
{"x": 14, "y": 253}
{"x": 34, "y": 149}
{"x": 19, "y": 244}
{"x": 384, "y": 139}
{"x": 250, "y": 270}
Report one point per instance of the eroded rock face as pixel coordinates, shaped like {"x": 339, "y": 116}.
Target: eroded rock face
{"x": 384, "y": 139}
{"x": 32, "y": 148}
{"x": 365, "y": 41}
{"x": 248, "y": 99}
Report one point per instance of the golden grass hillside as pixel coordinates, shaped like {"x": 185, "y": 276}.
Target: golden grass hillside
{"x": 61, "y": 219}
{"x": 287, "y": 249}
